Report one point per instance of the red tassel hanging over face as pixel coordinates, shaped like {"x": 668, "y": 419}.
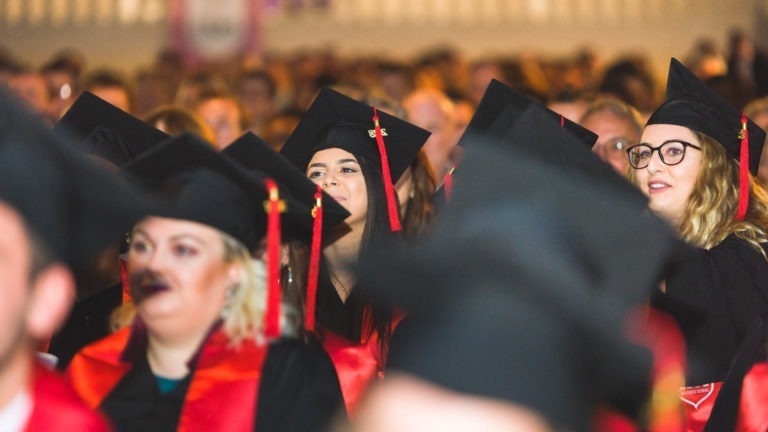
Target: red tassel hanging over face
{"x": 314, "y": 261}
{"x": 743, "y": 170}
{"x": 273, "y": 207}
{"x": 389, "y": 188}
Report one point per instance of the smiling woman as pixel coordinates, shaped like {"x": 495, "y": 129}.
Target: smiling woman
{"x": 696, "y": 163}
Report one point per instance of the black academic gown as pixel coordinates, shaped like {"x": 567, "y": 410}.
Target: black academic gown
{"x": 715, "y": 296}
{"x": 298, "y": 390}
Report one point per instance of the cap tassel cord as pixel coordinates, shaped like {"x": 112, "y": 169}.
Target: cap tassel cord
{"x": 448, "y": 184}
{"x": 743, "y": 170}
{"x": 314, "y": 262}
{"x": 389, "y": 188}
{"x": 125, "y": 282}
{"x": 562, "y": 121}
{"x": 274, "y": 206}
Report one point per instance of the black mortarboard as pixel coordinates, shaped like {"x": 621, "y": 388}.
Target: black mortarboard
{"x": 335, "y": 120}
{"x": 106, "y": 131}
{"x": 539, "y": 136}
{"x": 195, "y": 182}
{"x": 529, "y": 307}
{"x": 500, "y": 108}
{"x": 314, "y": 214}
{"x": 253, "y": 153}
{"x": 75, "y": 207}
{"x": 691, "y": 103}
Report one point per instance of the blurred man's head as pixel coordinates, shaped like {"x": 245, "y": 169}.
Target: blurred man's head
{"x": 434, "y": 111}
{"x": 111, "y": 87}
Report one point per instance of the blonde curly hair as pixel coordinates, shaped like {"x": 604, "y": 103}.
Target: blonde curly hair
{"x": 712, "y": 204}
{"x": 243, "y": 313}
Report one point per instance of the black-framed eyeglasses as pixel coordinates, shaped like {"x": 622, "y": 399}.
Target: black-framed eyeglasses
{"x": 671, "y": 152}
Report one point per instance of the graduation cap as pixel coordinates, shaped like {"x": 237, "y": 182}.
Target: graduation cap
{"x": 535, "y": 133}
{"x": 75, "y": 207}
{"x": 501, "y": 106}
{"x": 692, "y": 104}
{"x": 315, "y": 213}
{"x": 337, "y": 121}
{"x": 104, "y": 130}
{"x": 195, "y": 182}
{"x": 527, "y": 309}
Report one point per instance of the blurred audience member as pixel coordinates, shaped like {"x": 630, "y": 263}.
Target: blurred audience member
{"x": 256, "y": 92}
{"x": 618, "y": 127}
{"x": 757, "y": 111}
{"x": 281, "y": 126}
{"x": 630, "y": 80}
{"x": 110, "y": 86}
{"x": 62, "y": 75}
{"x": 30, "y": 87}
{"x": 175, "y": 120}
{"x": 571, "y": 103}
{"x": 225, "y": 116}
{"x": 434, "y": 111}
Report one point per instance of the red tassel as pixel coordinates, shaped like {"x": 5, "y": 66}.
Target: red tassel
{"x": 448, "y": 185}
{"x": 389, "y": 188}
{"x": 743, "y": 170}
{"x": 314, "y": 261}
{"x": 125, "y": 282}
{"x": 562, "y": 121}
{"x": 274, "y": 206}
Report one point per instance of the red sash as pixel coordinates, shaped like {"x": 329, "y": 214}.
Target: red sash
{"x": 357, "y": 364}
{"x": 753, "y": 409}
{"x": 697, "y": 403}
{"x": 222, "y": 395}
{"x": 57, "y": 407}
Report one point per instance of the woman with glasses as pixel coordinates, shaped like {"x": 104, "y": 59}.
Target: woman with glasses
{"x": 696, "y": 163}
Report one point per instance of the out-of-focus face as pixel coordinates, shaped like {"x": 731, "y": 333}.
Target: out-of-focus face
{"x": 31, "y": 89}
{"x": 430, "y": 114}
{"x": 669, "y": 186}
{"x": 255, "y": 97}
{"x": 179, "y": 277}
{"x": 117, "y": 96}
{"x": 406, "y": 403}
{"x": 61, "y": 90}
{"x": 570, "y": 110}
{"x": 338, "y": 172}
{"x": 15, "y": 287}
{"x": 223, "y": 117}
{"x": 615, "y": 136}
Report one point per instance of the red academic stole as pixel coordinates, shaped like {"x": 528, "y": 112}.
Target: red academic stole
{"x": 357, "y": 363}
{"x": 697, "y": 403}
{"x": 753, "y": 408}
{"x": 57, "y": 406}
{"x": 222, "y": 395}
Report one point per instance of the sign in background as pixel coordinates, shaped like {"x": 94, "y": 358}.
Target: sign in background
{"x": 205, "y": 31}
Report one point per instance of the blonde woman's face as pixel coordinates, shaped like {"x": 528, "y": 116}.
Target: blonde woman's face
{"x": 669, "y": 186}
{"x": 179, "y": 277}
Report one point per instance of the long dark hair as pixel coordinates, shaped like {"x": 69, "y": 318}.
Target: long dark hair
{"x": 372, "y": 316}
